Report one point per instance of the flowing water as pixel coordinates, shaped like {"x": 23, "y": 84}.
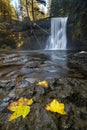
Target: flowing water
{"x": 37, "y": 65}
{"x": 58, "y": 38}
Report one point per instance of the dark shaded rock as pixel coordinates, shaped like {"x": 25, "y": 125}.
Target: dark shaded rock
{"x": 68, "y": 88}
{"x": 78, "y": 100}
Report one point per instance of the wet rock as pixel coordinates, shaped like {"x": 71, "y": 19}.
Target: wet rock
{"x": 79, "y": 60}
{"x": 78, "y": 100}
{"x": 41, "y": 119}
{"x": 12, "y": 94}
{"x": 67, "y": 85}
{"x": 33, "y": 64}
{"x": 39, "y": 90}
{"x": 3, "y": 106}
{"x": 1, "y": 87}
{"x": 31, "y": 80}
{"x": 10, "y": 86}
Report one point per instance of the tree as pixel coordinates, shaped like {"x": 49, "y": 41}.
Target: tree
{"x": 33, "y": 8}
{"x": 6, "y": 10}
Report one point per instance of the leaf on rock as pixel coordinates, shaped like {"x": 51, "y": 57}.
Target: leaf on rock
{"x": 20, "y": 111}
{"x": 55, "y": 106}
{"x": 20, "y": 108}
{"x": 22, "y": 101}
{"x": 43, "y": 83}
{"x": 13, "y": 106}
{"x": 25, "y": 101}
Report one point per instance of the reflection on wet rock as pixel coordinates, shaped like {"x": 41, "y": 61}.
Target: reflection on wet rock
{"x": 65, "y": 73}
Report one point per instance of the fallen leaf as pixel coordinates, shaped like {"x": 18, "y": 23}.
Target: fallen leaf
{"x": 20, "y": 111}
{"x": 55, "y": 106}
{"x": 12, "y": 106}
{"x": 20, "y": 108}
{"x": 22, "y": 101}
{"x": 25, "y": 101}
{"x": 43, "y": 83}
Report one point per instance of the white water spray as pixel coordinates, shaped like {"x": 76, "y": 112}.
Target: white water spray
{"x": 58, "y": 39}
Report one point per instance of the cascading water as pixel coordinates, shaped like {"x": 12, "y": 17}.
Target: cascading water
{"x": 58, "y": 39}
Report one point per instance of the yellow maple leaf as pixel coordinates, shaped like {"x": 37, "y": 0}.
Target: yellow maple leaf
{"x": 20, "y": 111}
{"x": 43, "y": 83}
{"x": 13, "y": 106}
{"x": 20, "y": 102}
{"x": 20, "y": 108}
{"x": 25, "y": 101}
{"x": 55, "y": 106}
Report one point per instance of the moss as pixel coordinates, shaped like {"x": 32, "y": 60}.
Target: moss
{"x": 5, "y": 47}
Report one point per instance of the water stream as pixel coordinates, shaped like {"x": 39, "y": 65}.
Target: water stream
{"x": 37, "y": 65}
{"x": 58, "y": 38}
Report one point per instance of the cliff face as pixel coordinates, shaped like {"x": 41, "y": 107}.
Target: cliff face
{"x": 76, "y": 10}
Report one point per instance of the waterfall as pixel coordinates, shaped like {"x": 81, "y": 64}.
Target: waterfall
{"x": 58, "y": 39}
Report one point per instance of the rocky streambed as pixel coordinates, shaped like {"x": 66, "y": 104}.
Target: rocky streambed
{"x": 66, "y": 74}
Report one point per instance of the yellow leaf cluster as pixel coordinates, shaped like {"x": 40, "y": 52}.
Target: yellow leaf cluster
{"x": 20, "y": 108}
{"x": 43, "y": 83}
{"x": 55, "y": 106}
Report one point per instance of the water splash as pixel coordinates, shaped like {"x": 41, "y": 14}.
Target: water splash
{"x": 58, "y": 39}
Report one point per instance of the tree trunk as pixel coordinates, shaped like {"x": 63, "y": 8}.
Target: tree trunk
{"x": 33, "y": 10}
